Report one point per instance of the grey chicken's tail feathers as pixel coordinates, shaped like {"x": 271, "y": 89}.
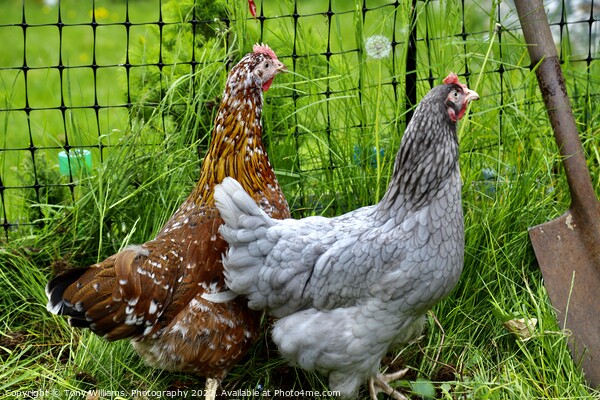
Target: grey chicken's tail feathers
{"x": 237, "y": 208}
{"x": 245, "y": 228}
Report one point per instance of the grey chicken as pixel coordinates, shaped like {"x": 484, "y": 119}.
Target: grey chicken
{"x": 348, "y": 289}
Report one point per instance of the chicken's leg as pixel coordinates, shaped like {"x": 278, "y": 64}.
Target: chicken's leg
{"x": 380, "y": 384}
{"x": 210, "y": 389}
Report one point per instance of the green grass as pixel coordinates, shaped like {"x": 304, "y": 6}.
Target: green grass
{"x": 512, "y": 180}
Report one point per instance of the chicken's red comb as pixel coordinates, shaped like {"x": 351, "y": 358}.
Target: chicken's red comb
{"x": 451, "y": 78}
{"x": 264, "y": 49}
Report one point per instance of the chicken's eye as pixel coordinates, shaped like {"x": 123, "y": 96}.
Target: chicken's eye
{"x": 266, "y": 64}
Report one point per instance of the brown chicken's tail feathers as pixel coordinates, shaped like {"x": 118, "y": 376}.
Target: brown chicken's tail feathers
{"x": 63, "y": 283}
{"x": 55, "y": 290}
{"x": 101, "y": 297}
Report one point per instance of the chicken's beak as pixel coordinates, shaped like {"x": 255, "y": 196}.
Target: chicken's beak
{"x": 280, "y": 67}
{"x": 471, "y": 95}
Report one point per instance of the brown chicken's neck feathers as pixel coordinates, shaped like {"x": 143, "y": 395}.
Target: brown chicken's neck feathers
{"x": 236, "y": 147}
{"x": 428, "y": 154}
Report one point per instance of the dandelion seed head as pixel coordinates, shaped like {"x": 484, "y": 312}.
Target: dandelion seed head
{"x": 378, "y": 46}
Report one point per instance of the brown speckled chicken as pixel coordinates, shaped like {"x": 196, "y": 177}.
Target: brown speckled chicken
{"x": 152, "y": 293}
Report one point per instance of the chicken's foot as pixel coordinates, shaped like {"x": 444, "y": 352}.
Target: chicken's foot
{"x": 380, "y": 384}
{"x": 210, "y": 389}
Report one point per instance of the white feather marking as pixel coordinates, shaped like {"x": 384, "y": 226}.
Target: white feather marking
{"x": 196, "y": 305}
{"x": 220, "y": 297}
{"x": 54, "y": 308}
{"x": 140, "y": 250}
{"x": 179, "y": 328}
{"x": 153, "y": 307}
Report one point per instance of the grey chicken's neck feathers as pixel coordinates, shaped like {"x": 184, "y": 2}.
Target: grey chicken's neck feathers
{"x": 428, "y": 156}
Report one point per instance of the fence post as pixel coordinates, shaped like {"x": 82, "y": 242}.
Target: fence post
{"x": 411, "y": 64}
